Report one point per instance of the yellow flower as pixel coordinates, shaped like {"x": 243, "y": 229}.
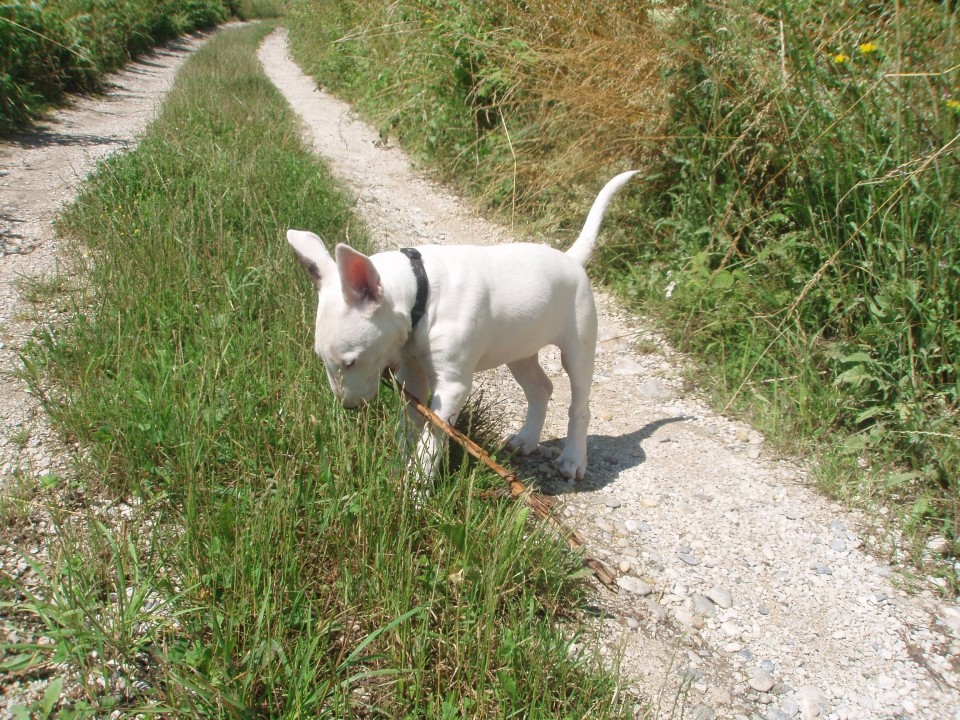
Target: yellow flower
{"x": 840, "y": 58}
{"x": 868, "y": 47}
{"x": 953, "y": 104}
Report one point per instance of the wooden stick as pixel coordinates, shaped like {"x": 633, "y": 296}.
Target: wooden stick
{"x": 541, "y": 505}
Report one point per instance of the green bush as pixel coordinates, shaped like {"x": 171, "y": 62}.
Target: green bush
{"x": 51, "y": 48}
{"x": 806, "y": 222}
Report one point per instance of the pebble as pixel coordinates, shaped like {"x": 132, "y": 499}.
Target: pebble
{"x": 634, "y": 585}
{"x": 688, "y": 558}
{"x": 612, "y": 503}
{"x": 703, "y": 712}
{"x": 730, "y": 628}
{"x": 789, "y": 707}
{"x": 658, "y": 611}
{"x": 760, "y": 681}
{"x": 812, "y": 702}
{"x": 654, "y": 390}
{"x": 720, "y": 597}
{"x": 627, "y": 365}
{"x": 703, "y": 606}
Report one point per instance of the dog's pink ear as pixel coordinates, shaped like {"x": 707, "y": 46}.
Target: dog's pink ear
{"x": 312, "y": 255}
{"x": 359, "y": 279}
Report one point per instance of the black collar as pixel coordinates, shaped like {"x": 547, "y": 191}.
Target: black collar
{"x": 416, "y": 262}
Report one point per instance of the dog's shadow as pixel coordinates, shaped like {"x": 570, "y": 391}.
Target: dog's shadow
{"x": 610, "y": 455}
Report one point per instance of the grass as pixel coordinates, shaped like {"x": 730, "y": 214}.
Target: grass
{"x": 795, "y": 231}
{"x": 237, "y": 545}
{"x": 54, "y": 47}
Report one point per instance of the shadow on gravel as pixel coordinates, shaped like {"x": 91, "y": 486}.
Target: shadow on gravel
{"x": 609, "y": 456}
{"x": 41, "y": 137}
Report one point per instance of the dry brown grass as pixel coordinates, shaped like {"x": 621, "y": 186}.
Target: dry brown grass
{"x": 587, "y": 96}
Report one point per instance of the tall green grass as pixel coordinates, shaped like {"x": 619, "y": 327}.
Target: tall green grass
{"x": 805, "y": 220}
{"x": 269, "y": 562}
{"x": 796, "y": 229}
{"x": 52, "y": 47}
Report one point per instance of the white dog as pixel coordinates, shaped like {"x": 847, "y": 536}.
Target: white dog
{"x": 438, "y": 314}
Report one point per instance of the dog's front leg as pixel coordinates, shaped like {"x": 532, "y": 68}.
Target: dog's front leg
{"x": 449, "y": 397}
{"x": 412, "y": 377}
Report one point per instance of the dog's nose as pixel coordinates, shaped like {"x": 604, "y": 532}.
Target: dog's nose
{"x": 352, "y": 403}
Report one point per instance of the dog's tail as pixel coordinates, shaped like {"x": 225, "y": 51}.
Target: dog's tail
{"x": 582, "y": 249}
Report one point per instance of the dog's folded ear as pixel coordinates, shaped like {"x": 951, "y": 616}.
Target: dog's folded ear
{"x": 312, "y": 255}
{"x": 359, "y": 279}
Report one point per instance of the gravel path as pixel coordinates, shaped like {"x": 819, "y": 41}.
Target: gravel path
{"x": 744, "y": 592}
{"x": 39, "y": 174}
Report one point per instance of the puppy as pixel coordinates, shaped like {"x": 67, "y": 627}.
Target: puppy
{"x": 437, "y": 314}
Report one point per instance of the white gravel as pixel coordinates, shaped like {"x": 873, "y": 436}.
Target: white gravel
{"x": 743, "y": 590}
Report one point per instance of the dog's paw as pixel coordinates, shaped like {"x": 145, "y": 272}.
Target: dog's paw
{"x": 572, "y": 468}
{"x": 419, "y": 486}
{"x": 523, "y": 443}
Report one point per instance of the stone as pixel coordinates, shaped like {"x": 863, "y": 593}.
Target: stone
{"x": 634, "y": 585}
{"x": 688, "y": 558}
{"x": 703, "y": 606}
{"x": 658, "y": 611}
{"x": 789, "y": 707}
{"x": 654, "y": 390}
{"x": 760, "y": 681}
{"x": 812, "y": 702}
{"x": 702, "y": 712}
{"x": 938, "y": 544}
{"x": 627, "y": 365}
{"x": 720, "y": 597}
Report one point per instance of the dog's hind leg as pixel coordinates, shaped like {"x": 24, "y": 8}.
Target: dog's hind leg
{"x": 578, "y": 363}
{"x": 537, "y": 388}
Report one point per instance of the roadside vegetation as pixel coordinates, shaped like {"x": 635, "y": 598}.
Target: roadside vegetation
{"x": 797, "y": 229}
{"x": 237, "y": 545}
{"x": 49, "y": 48}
